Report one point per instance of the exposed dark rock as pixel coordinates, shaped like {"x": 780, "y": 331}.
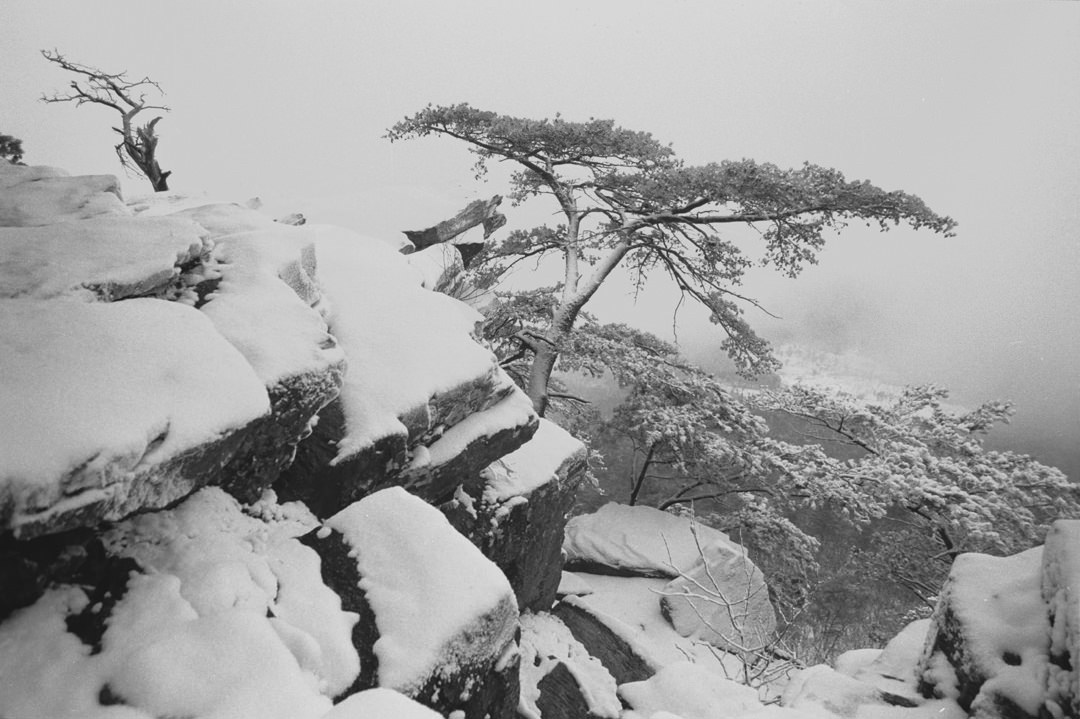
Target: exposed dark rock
{"x": 271, "y": 446}
{"x": 479, "y": 212}
{"x": 620, "y": 658}
{"x": 561, "y": 696}
{"x": 524, "y": 538}
{"x": 480, "y": 685}
{"x": 981, "y": 594}
{"x": 340, "y": 574}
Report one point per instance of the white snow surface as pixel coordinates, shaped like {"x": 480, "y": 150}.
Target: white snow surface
{"x": 821, "y": 692}
{"x": 546, "y": 641}
{"x": 1061, "y": 593}
{"x": 895, "y": 668}
{"x": 436, "y": 264}
{"x": 999, "y": 602}
{"x": 532, "y": 465}
{"x": 573, "y": 583}
{"x": 630, "y": 607}
{"x": 641, "y": 540}
{"x": 404, "y": 344}
{"x": 380, "y": 703}
{"x": 98, "y": 390}
{"x": 192, "y": 636}
{"x": 439, "y": 603}
{"x": 45, "y": 195}
{"x": 515, "y": 410}
{"x": 279, "y": 333}
{"x": 689, "y": 691}
{"x": 65, "y": 258}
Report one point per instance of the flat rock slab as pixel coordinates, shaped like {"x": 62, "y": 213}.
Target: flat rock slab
{"x": 106, "y": 258}
{"x": 114, "y": 407}
{"x": 35, "y": 196}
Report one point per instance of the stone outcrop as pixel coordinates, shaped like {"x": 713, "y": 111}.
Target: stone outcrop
{"x": 171, "y": 361}
{"x": 517, "y": 514}
{"x": 437, "y": 619}
{"x": 989, "y": 639}
{"x": 32, "y": 196}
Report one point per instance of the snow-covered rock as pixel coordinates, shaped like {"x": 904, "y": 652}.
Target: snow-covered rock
{"x": 717, "y": 595}
{"x": 723, "y": 600}
{"x": 224, "y": 613}
{"x": 107, "y": 258}
{"x": 516, "y": 516}
{"x": 989, "y": 640}
{"x": 114, "y": 407}
{"x": 31, "y": 196}
{"x": 821, "y": 691}
{"x": 621, "y": 624}
{"x": 894, "y": 669}
{"x": 689, "y": 691}
{"x": 1061, "y": 593}
{"x": 638, "y": 541}
{"x": 437, "y": 619}
{"x": 380, "y": 703}
{"x": 559, "y": 678}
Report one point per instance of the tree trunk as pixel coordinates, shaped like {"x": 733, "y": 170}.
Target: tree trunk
{"x": 540, "y": 376}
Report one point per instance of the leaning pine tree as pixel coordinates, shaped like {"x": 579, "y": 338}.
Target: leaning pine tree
{"x": 626, "y": 200}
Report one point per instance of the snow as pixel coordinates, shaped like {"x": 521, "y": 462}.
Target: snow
{"x": 630, "y": 607}
{"x": 231, "y": 621}
{"x": 545, "y": 642}
{"x": 515, "y": 410}
{"x": 436, "y": 264}
{"x": 404, "y": 344}
{"x": 44, "y": 195}
{"x": 895, "y": 668}
{"x": 428, "y": 586}
{"x": 640, "y": 540}
{"x": 94, "y": 391}
{"x": 1061, "y": 593}
{"x": 532, "y": 465}
{"x": 109, "y": 255}
{"x": 854, "y": 661}
{"x": 689, "y": 691}
{"x": 261, "y": 315}
{"x": 821, "y": 692}
{"x": 575, "y": 584}
{"x": 998, "y": 601}
{"x": 380, "y": 703}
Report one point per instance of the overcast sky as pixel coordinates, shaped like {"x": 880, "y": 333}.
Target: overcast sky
{"x": 974, "y": 106}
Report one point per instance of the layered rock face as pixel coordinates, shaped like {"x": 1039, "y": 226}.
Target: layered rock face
{"x": 224, "y": 442}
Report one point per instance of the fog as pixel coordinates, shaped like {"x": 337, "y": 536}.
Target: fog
{"x": 975, "y": 108}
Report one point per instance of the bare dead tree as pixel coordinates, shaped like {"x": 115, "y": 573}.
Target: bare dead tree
{"x": 137, "y": 148}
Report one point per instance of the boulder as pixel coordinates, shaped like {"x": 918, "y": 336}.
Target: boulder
{"x": 602, "y": 640}
{"x": 559, "y": 678}
{"x": 517, "y": 515}
{"x": 113, "y": 408}
{"x": 209, "y": 595}
{"x": 414, "y": 372}
{"x": 722, "y": 599}
{"x": 638, "y": 541}
{"x": 1061, "y": 593}
{"x": 989, "y": 639}
{"x": 107, "y": 258}
{"x": 438, "y": 621}
{"x": 717, "y": 595}
{"x": 35, "y": 196}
